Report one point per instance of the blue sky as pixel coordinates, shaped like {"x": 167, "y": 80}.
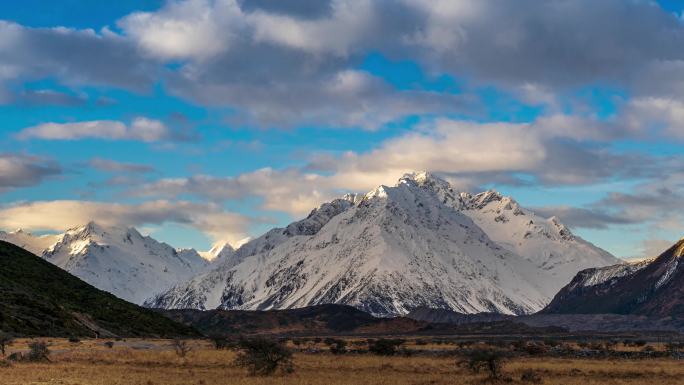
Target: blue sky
{"x": 208, "y": 120}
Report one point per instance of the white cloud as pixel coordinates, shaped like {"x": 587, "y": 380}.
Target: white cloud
{"x": 142, "y": 129}
{"x": 193, "y": 29}
{"x": 337, "y": 34}
{"x": 41, "y": 215}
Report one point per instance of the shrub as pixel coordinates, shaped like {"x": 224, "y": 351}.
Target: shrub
{"x": 5, "y": 341}
{"x": 220, "y": 342}
{"x": 74, "y": 340}
{"x": 262, "y": 356}
{"x": 491, "y": 361}
{"x": 384, "y": 347}
{"x": 530, "y": 375}
{"x": 181, "y": 347}
{"x": 38, "y": 351}
{"x": 535, "y": 349}
{"x": 109, "y": 344}
{"x": 337, "y": 346}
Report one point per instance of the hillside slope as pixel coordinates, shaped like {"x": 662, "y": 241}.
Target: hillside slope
{"x": 652, "y": 288}
{"x": 40, "y": 299}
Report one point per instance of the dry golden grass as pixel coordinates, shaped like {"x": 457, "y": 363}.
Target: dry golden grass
{"x": 152, "y": 362}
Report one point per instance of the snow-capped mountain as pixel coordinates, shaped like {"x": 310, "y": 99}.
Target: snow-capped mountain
{"x": 118, "y": 260}
{"x": 418, "y": 243}
{"x": 27, "y": 241}
{"x": 221, "y": 250}
{"x": 652, "y": 287}
{"x": 545, "y": 242}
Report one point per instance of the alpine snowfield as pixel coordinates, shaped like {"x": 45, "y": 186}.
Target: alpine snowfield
{"x": 418, "y": 243}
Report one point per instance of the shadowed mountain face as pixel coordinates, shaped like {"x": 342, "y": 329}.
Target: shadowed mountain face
{"x": 651, "y": 288}
{"x": 40, "y": 299}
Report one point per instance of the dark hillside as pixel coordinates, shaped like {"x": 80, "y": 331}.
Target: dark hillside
{"x": 40, "y": 299}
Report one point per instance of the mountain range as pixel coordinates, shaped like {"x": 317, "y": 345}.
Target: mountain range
{"x": 419, "y": 243}
{"x": 396, "y": 248}
{"x": 118, "y": 260}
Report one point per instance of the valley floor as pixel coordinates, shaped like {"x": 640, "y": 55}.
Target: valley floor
{"x": 153, "y": 362}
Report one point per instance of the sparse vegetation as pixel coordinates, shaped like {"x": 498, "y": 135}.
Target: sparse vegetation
{"x": 137, "y": 362}
{"x": 336, "y": 345}
{"x": 384, "y": 347}
{"x": 263, "y": 356}
{"x": 220, "y": 342}
{"x": 530, "y": 375}
{"x": 487, "y": 360}
{"x": 181, "y": 347}
{"x": 38, "y": 351}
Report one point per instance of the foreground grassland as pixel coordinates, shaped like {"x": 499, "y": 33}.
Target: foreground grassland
{"x": 153, "y": 362}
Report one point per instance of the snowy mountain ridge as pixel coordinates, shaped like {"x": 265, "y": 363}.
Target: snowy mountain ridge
{"x": 418, "y": 243}
{"x": 118, "y": 260}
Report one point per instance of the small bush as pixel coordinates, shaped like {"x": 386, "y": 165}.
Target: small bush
{"x": 384, "y": 347}
{"x": 535, "y": 349}
{"x": 530, "y": 375}
{"x": 109, "y": 344}
{"x": 262, "y": 356}
{"x": 38, "y": 351}
{"x": 74, "y": 340}
{"x": 337, "y": 346}
{"x": 491, "y": 361}
{"x": 181, "y": 347}
{"x": 5, "y": 341}
{"x": 220, "y": 342}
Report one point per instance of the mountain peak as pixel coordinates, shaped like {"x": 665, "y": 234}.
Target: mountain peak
{"x": 422, "y": 178}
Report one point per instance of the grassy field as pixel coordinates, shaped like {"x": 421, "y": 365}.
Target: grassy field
{"x": 153, "y": 362}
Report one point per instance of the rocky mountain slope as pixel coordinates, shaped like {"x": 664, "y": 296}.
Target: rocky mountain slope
{"x": 418, "y": 243}
{"x": 118, "y": 260}
{"x": 653, "y": 288}
{"x": 40, "y": 299}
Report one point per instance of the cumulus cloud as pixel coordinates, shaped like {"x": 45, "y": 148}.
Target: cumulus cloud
{"x": 22, "y": 170}
{"x": 470, "y": 154}
{"x": 224, "y": 52}
{"x": 196, "y": 29}
{"x": 75, "y": 57}
{"x": 142, "y": 129}
{"x": 40, "y": 215}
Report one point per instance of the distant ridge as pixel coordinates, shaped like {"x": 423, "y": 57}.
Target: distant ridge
{"x": 40, "y": 299}
{"x": 652, "y": 288}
